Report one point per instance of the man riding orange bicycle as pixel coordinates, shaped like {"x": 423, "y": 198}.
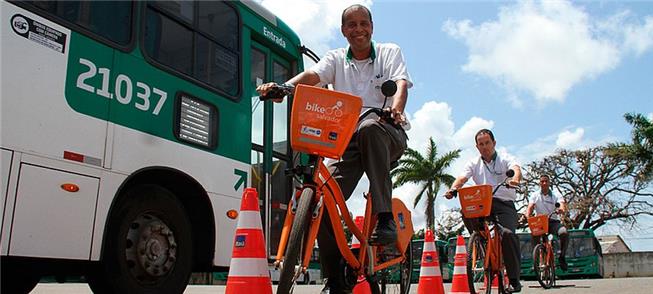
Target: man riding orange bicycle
{"x": 360, "y": 70}
{"x": 490, "y": 168}
{"x": 544, "y": 203}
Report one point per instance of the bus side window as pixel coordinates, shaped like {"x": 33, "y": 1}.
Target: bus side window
{"x": 173, "y": 46}
{"x": 203, "y": 46}
{"x": 109, "y": 20}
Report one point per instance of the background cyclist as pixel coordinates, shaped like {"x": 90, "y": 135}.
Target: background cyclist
{"x": 544, "y": 203}
{"x": 490, "y": 168}
{"x": 360, "y": 69}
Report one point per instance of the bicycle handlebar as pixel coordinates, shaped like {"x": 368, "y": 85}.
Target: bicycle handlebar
{"x": 509, "y": 174}
{"x": 277, "y": 92}
{"x": 383, "y": 114}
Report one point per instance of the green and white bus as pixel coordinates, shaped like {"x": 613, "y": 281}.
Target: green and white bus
{"x": 129, "y": 130}
{"x": 584, "y": 256}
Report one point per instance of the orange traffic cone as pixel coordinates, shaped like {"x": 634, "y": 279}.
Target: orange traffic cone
{"x": 459, "y": 283}
{"x": 430, "y": 278}
{"x": 362, "y": 286}
{"x": 248, "y": 272}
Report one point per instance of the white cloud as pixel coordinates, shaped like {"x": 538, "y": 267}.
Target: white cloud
{"x": 650, "y": 116}
{"x": 546, "y": 48}
{"x": 567, "y": 138}
{"x": 570, "y": 140}
{"x": 316, "y": 22}
{"x": 432, "y": 120}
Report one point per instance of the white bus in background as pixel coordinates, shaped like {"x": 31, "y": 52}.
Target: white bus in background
{"x": 129, "y": 130}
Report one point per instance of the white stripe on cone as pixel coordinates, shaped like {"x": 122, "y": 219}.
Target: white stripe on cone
{"x": 354, "y": 242}
{"x": 459, "y": 270}
{"x": 430, "y": 271}
{"x": 249, "y": 267}
{"x": 249, "y": 220}
{"x": 429, "y": 247}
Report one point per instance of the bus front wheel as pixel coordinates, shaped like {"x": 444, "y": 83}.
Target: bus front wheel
{"x": 147, "y": 247}
{"x": 18, "y": 277}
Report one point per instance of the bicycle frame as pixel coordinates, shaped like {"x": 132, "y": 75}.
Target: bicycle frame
{"x": 493, "y": 255}
{"x": 547, "y": 260}
{"x": 328, "y": 195}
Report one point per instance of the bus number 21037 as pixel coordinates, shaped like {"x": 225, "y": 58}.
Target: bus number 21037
{"x": 123, "y": 88}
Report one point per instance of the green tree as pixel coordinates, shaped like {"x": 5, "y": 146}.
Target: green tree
{"x": 599, "y": 186}
{"x": 642, "y": 146}
{"x": 450, "y": 224}
{"x": 427, "y": 171}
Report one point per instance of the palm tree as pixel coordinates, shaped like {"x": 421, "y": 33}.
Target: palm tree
{"x": 642, "y": 146}
{"x": 427, "y": 171}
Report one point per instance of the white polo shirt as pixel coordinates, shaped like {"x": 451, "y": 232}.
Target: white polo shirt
{"x": 363, "y": 77}
{"x": 545, "y": 204}
{"x": 492, "y": 173}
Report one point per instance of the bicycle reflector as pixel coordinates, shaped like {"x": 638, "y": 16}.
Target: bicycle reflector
{"x": 323, "y": 121}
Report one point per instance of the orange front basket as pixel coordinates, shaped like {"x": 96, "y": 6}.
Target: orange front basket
{"x": 323, "y": 121}
{"x": 476, "y": 201}
{"x": 539, "y": 225}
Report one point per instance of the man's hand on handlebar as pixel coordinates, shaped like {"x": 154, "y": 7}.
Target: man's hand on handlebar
{"x": 513, "y": 184}
{"x": 450, "y": 193}
{"x": 397, "y": 115}
{"x": 523, "y": 219}
{"x": 272, "y": 91}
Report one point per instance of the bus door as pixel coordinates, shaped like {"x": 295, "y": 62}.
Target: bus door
{"x": 271, "y": 152}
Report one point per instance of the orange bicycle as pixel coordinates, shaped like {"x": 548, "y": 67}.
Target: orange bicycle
{"x": 322, "y": 123}
{"x": 484, "y": 255}
{"x": 543, "y": 254}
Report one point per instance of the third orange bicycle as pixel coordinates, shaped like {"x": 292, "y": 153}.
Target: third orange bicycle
{"x": 543, "y": 253}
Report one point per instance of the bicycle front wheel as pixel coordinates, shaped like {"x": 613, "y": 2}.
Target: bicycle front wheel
{"x": 475, "y": 262}
{"x": 542, "y": 267}
{"x": 289, "y": 269}
{"x": 396, "y": 279}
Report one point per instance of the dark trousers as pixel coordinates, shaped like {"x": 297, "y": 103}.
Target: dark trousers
{"x": 556, "y": 228}
{"x": 507, "y": 216}
{"x": 372, "y": 149}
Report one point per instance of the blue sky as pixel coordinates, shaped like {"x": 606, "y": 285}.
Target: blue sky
{"x": 541, "y": 75}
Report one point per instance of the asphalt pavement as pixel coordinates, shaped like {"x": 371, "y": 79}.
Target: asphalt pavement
{"x": 593, "y": 286}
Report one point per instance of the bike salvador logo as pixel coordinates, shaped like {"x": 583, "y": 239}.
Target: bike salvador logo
{"x": 472, "y": 196}
{"x": 331, "y": 113}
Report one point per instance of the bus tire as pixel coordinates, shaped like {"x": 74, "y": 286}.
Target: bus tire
{"x": 148, "y": 245}
{"x": 18, "y": 277}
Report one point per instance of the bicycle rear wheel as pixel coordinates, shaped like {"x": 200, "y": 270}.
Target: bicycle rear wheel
{"x": 289, "y": 270}
{"x": 475, "y": 262}
{"x": 396, "y": 279}
{"x": 542, "y": 267}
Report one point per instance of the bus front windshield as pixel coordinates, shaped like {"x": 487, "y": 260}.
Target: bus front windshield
{"x": 580, "y": 247}
{"x": 526, "y": 246}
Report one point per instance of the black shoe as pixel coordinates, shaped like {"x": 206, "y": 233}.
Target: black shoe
{"x": 563, "y": 263}
{"x": 384, "y": 233}
{"x": 514, "y": 288}
{"x": 332, "y": 290}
